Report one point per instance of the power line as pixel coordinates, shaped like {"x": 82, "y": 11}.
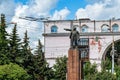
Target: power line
{"x": 34, "y": 19}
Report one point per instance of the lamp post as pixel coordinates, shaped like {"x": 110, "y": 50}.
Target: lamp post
{"x": 113, "y": 52}
{"x": 113, "y": 49}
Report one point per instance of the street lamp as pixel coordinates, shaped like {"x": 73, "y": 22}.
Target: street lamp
{"x": 113, "y": 52}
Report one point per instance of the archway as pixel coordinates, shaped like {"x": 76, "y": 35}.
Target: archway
{"x": 108, "y": 52}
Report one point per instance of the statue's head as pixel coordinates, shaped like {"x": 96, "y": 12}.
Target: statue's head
{"x": 74, "y": 29}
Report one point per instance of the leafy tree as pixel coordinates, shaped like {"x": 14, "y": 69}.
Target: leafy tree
{"x": 13, "y": 72}
{"x": 15, "y": 46}
{"x": 91, "y": 73}
{"x": 88, "y": 70}
{"x": 100, "y": 76}
{"x": 3, "y": 42}
{"x": 107, "y": 64}
{"x": 105, "y": 76}
{"x": 60, "y": 68}
{"x": 117, "y": 70}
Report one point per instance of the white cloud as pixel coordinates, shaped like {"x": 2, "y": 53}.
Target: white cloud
{"x": 102, "y": 9}
{"x": 35, "y": 8}
{"x": 62, "y": 14}
{"x": 90, "y": 11}
{"x": 42, "y": 7}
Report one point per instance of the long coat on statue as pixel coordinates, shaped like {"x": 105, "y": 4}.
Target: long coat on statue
{"x": 74, "y": 36}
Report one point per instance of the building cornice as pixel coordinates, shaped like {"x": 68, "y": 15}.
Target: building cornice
{"x": 82, "y": 34}
{"x": 55, "y": 34}
{"x": 82, "y": 20}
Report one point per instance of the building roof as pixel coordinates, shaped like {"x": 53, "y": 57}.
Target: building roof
{"x": 82, "y": 19}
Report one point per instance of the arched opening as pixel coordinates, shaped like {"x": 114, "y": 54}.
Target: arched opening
{"x": 115, "y": 28}
{"x": 105, "y": 28}
{"x": 108, "y": 52}
{"x": 54, "y": 29}
{"x": 84, "y": 28}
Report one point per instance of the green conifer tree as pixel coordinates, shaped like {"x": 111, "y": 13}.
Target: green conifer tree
{"x": 4, "y": 53}
{"x": 25, "y": 49}
{"x": 41, "y": 67}
{"x": 25, "y": 46}
{"x": 60, "y": 68}
{"x": 39, "y": 53}
{"x": 39, "y": 62}
{"x": 15, "y": 46}
{"x": 27, "y": 56}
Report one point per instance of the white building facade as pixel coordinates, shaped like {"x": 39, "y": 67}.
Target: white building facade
{"x": 100, "y": 35}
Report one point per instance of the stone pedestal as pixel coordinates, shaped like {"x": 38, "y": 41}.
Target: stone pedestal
{"x": 74, "y": 65}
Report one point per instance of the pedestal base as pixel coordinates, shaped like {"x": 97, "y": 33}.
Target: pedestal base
{"x": 74, "y": 65}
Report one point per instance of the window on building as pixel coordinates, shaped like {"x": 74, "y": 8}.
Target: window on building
{"x": 84, "y": 54}
{"x": 54, "y": 29}
{"x": 105, "y": 28}
{"x": 83, "y": 42}
{"x": 115, "y": 28}
{"x": 84, "y": 28}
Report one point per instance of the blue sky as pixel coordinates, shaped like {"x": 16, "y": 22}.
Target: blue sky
{"x": 21, "y": 1}
{"x": 93, "y": 9}
{"x": 55, "y": 9}
{"x": 71, "y": 5}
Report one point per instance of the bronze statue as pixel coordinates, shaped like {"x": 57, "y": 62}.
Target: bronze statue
{"x": 74, "y": 36}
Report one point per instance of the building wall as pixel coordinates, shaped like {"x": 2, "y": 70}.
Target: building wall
{"x": 57, "y": 46}
{"x": 60, "y": 24}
